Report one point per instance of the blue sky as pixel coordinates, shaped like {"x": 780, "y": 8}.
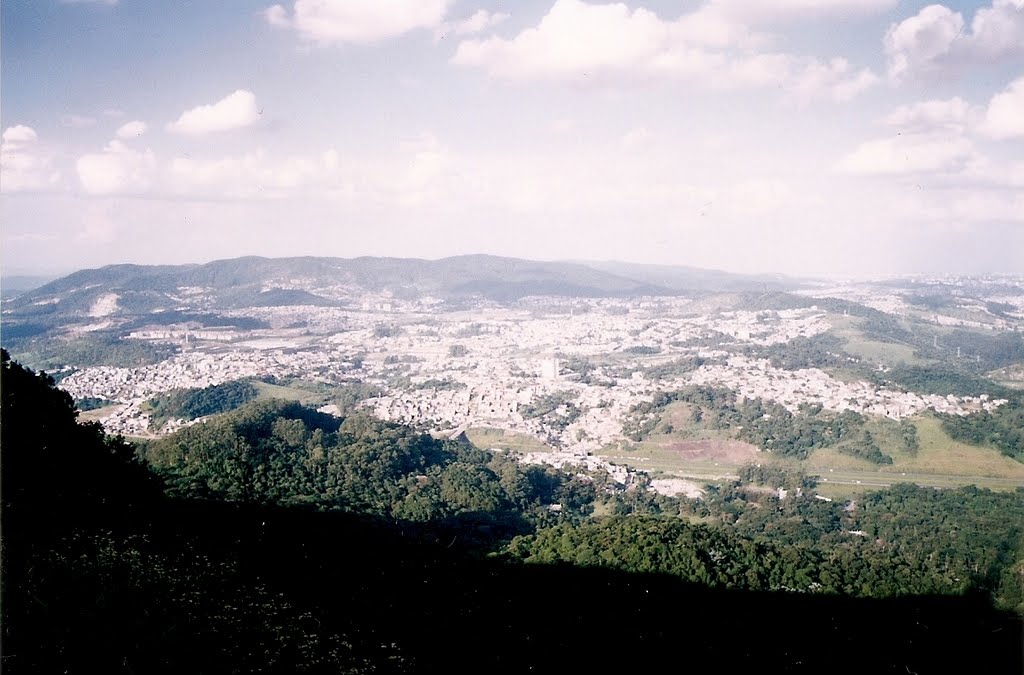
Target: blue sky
{"x": 824, "y": 137}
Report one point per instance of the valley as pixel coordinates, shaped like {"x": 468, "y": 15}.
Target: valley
{"x": 446, "y": 347}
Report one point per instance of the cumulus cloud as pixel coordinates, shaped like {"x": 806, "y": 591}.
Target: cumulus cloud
{"x": 120, "y": 170}
{"x": 576, "y": 39}
{"x": 117, "y": 170}
{"x": 480, "y": 21}
{"x": 937, "y": 137}
{"x": 357, "y": 21}
{"x": 24, "y": 167}
{"x": 234, "y": 111}
{"x": 909, "y": 153}
{"x": 252, "y": 175}
{"x": 131, "y": 130}
{"x": 612, "y": 44}
{"x": 19, "y": 134}
{"x": 985, "y": 171}
{"x": 937, "y": 38}
{"x": 276, "y": 15}
{"x": 1004, "y": 117}
{"x": 836, "y": 79}
{"x": 775, "y": 10}
{"x": 954, "y": 114}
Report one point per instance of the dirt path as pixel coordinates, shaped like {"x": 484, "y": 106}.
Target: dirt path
{"x": 731, "y": 452}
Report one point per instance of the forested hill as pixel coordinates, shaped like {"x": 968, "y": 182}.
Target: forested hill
{"x": 276, "y": 539}
{"x": 680, "y": 277}
{"x": 255, "y": 281}
{"x": 242, "y": 281}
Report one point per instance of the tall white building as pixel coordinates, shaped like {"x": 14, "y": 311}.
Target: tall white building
{"x": 549, "y": 369}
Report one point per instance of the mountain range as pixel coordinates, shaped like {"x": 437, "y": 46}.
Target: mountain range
{"x": 256, "y": 281}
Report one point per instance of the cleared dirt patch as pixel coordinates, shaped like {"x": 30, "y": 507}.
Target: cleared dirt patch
{"x": 731, "y": 452}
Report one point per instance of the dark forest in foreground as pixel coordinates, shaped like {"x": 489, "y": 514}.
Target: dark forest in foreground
{"x": 276, "y": 540}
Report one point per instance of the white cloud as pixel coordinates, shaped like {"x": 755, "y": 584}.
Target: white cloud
{"x": 561, "y": 126}
{"x": 636, "y": 138}
{"x": 709, "y": 27}
{"x": 961, "y": 208}
{"x": 429, "y": 172}
{"x": 117, "y": 170}
{"x": 480, "y": 21}
{"x": 234, "y": 111}
{"x": 612, "y": 44}
{"x": 909, "y": 153}
{"x": 836, "y": 79}
{"x": 982, "y": 170}
{"x": 937, "y": 38}
{"x": 357, "y": 21}
{"x": 773, "y": 10}
{"x": 131, "y": 130}
{"x": 953, "y": 114}
{"x": 998, "y": 30}
{"x": 24, "y": 167}
{"x": 759, "y": 196}
{"x": 936, "y": 137}
{"x": 19, "y": 134}
{"x": 276, "y": 15}
{"x": 99, "y": 223}
{"x": 1004, "y": 117}
{"x": 77, "y": 121}
{"x": 252, "y": 176}
{"x": 916, "y": 43}
{"x": 575, "y": 39}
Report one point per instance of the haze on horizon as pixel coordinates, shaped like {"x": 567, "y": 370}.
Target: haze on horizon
{"x": 806, "y": 137}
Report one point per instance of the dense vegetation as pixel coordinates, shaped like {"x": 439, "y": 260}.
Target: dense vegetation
{"x": 956, "y": 352}
{"x": 271, "y": 555}
{"x": 1002, "y": 428}
{"x": 943, "y": 380}
{"x": 902, "y": 541}
{"x": 91, "y": 403}
{"x": 557, "y": 410}
{"x": 97, "y": 349}
{"x": 190, "y": 404}
{"x": 820, "y": 351}
{"x": 273, "y": 452}
{"x": 41, "y": 465}
{"x": 766, "y": 424}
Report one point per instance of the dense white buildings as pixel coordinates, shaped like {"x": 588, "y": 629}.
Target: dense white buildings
{"x": 507, "y": 359}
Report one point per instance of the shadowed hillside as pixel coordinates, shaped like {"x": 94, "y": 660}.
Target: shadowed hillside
{"x": 103, "y": 574}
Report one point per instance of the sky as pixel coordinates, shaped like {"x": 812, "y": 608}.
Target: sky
{"x": 856, "y": 138}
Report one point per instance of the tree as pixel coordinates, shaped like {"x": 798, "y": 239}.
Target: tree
{"x": 50, "y": 461}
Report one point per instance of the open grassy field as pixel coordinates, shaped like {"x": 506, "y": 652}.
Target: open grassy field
{"x": 311, "y": 393}
{"x": 941, "y": 454}
{"x": 1010, "y": 376}
{"x": 693, "y": 451}
{"x": 97, "y": 413}
{"x": 860, "y": 346}
{"x": 487, "y": 437}
{"x": 657, "y": 458}
{"x": 938, "y": 455}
